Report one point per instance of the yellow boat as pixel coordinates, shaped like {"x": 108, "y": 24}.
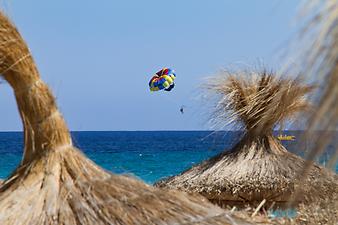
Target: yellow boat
{"x": 286, "y": 137}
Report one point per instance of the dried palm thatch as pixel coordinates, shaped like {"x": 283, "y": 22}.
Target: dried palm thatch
{"x": 318, "y": 41}
{"x": 322, "y": 212}
{"x": 258, "y": 167}
{"x": 57, "y": 184}
{"x": 319, "y": 60}
{"x": 320, "y": 57}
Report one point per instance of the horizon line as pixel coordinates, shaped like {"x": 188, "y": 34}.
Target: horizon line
{"x": 18, "y": 131}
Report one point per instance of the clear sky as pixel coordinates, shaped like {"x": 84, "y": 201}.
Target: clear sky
{"x": 98, "y": 56}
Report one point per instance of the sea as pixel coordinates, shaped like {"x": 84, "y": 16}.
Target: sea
{"x": 151, "y": 155}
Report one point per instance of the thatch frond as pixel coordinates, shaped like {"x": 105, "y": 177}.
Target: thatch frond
{"x": 317, "y": 56}
{"x": 318, "y": 59}
{"x": 323, "y": 212}
{"x": 259, "y": 100}
{"x": 57, "y": 184}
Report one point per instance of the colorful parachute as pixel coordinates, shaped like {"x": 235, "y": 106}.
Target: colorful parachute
{"x": 163, "y": 80}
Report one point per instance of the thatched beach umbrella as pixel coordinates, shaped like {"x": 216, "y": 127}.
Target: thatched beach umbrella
{"x": 57, "y": 184}
{"x": 258, "y": 167}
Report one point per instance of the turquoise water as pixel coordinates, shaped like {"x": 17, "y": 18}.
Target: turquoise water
{"x": 149, "y": 155}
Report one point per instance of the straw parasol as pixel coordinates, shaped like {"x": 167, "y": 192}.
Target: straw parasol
{"x": 258, "y": 167}
{"x": 56, "y": 184}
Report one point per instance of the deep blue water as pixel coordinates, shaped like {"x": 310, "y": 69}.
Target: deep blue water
{"x": 149, "y": 155}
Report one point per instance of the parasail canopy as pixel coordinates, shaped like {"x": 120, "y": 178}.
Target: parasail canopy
{"x": 163, "y": 80}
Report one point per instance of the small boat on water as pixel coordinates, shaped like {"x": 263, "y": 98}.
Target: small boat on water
{"x": 286, "y": 137}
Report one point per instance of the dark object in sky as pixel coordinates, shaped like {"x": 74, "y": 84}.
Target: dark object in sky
{"x": 182, "y": 109}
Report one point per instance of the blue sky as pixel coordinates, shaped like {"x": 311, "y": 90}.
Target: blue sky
{"x": 98, "y": 56}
